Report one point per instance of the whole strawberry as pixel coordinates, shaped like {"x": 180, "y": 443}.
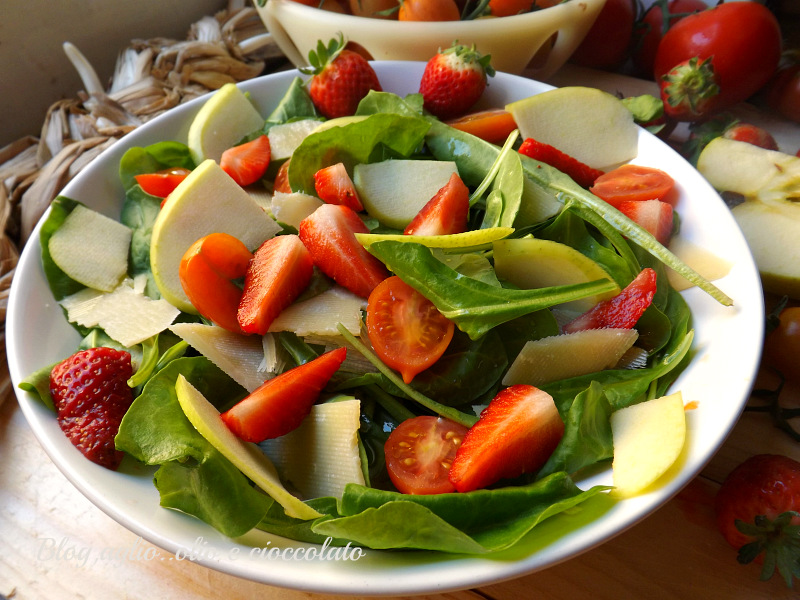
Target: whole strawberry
{"x": 91, "y": 395}
{"x": 340, "y": 78}
{"x": 454, "y": 80}
{"x": 757, "y": 513}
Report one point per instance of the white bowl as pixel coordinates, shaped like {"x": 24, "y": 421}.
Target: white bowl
{"x": 726, "y": 344}
{"x": 511, "y": 41}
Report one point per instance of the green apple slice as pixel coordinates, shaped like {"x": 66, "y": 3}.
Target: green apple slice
{"x": 223, "y": 121}
{"x": 590, "y": 125}
{"x": 531, "y": 263}
{"x": 207, "y": 201}
{"x": 245, "y": 456}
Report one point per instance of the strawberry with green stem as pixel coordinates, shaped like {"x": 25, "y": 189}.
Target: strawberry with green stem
{"x": 454, "y": 80}
{"x": 340, "y": 78}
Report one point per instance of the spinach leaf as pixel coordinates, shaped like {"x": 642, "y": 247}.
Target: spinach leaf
{"x": 153, "y": 158}
{"x": 139, "y": 212}
{"x": 384, "y": 102}
{"x": 295, "y": 104}
{"x": 474, "y": 306}
{"x": 471, "y": 523}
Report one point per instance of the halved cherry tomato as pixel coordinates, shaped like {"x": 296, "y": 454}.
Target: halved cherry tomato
{"x": 247, "y": 162}
{"x": 207, "y": 271}
{"x": 493, "y": 125}
{"x": 419, "y": 453}
{"x": 406, "y": 330}
{"x": 161, "y": 183}
{"x": 282, "y": 179}
{"x": 632, "y": 182}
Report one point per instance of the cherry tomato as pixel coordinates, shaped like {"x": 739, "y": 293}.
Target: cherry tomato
{"x": 783, "y": 94}
{"x": 493, "y": 125}
{"x": 162, "y": 183}
{"x": 429, "y": 10}
{"x": 632, "y": 182}
{"x": 405, "y": 329}
{"x": 376, "y": 9}
{"x": 508, "y": 8}
{"x": 207, "y": 271}
{"x": 282, "y": 179}
{"x": 607, "y": 43}
{"x": 782, "y": 344}
{"x": 743, "y": 41}
{"x": 419, "y": 453}
{"x": 651, "y": 29}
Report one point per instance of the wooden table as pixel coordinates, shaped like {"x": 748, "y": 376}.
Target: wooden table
{"x": 676, "y": 553}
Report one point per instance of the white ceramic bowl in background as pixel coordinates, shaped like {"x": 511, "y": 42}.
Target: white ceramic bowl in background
{"x": 727, "y": 345}
{"x": 511, "y": 41}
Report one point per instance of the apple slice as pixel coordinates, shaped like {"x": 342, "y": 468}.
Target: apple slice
{"x": 568, "y": 355}
{"x": 286, "y": 137}
{"x": 223, "y": 121}
{"x": 245, "y": 456}
{"x": 207, "y": 201}
{"x": 648, "y": 439}
{"x": 531, "y": 263}
{"x": 91, "y": 248}
{"x": 394, "y": 191}
{"x": 590, "y": 125}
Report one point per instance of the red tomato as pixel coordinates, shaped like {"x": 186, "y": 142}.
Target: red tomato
{"x": 782, "y": 344}
{"x": 207, "y": 271}
{"x": 429, "y": 10}
{"x": 405, "y": 329}
{"x": 247, "y": 162}
{"x": 743, "y": 41}
{"x": 508, "y": 8}
{"x": 783, "y": 94}
{"x": 493, "y": 125}
{"x": 161, "y": 183}
{"x": 751, "y": 134}
{"x": 419, "y": 453}
{"x": 651, "y": 29}
{"x": 607, "y": 43}
{"x": 282, "y": 179}
{"x": 632, "y": 182}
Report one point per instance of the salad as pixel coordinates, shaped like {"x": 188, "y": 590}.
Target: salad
{"x": 493, "y": 322}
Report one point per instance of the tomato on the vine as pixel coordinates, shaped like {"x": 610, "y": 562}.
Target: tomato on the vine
{"x": 742, "y": 43}
{"x": 783, "y": 92}
{"x": 651, "y": 28}
{"x": 419, "y": 453}
{"x": 405, "y": 329}
{"x": 782, "y": 344}
{"x": 608, "y": 41}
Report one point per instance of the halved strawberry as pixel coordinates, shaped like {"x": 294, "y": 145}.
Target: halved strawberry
{"x": 623, "y": 310}
{"x": 583, "y": 174}
{"x": 334, "y": 186}
{"x": 280, "y": 404}
{"x": 654, "y": 215}
{"x": 445, "y": 213}
{"x": 329, "y": 234}
{"x": 281, "y": 183}
{"x": 515, "y": 434}
{"x": 247, "y": 162}
{"x": 280, "y": 270}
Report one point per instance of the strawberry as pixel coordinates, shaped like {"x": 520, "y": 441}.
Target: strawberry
{"x": 623, "y": 310}
{"x": 454, "y": 80}
{"x": 91, "y": 395}
{"x": 690, "y": 90}
{"x": 445, "y": 213}
{"x": 751, "y": 134}
{"x": 654, "y": 215}
{"x": 280, "y": 270}
{"x": 334, "y": 186}
{"x": 247, "y": 163}
{"x": 329, "y": 234}
{"x": 340, "y": 78}
{"x": 583, "y": 174}
{"x": 280, "y": 404}
{"x": 515, "y": 434}
{"x": 758, "y": 511}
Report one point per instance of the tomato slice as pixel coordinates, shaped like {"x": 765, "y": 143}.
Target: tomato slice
{"x": 406, "y": 330}
{"x": 161, "y": 183}
{"x": 632, "y": 182}
{"x": 493, "y": 125}
{"x": 207, "y": 271}
{"x": 419, "y": 453}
